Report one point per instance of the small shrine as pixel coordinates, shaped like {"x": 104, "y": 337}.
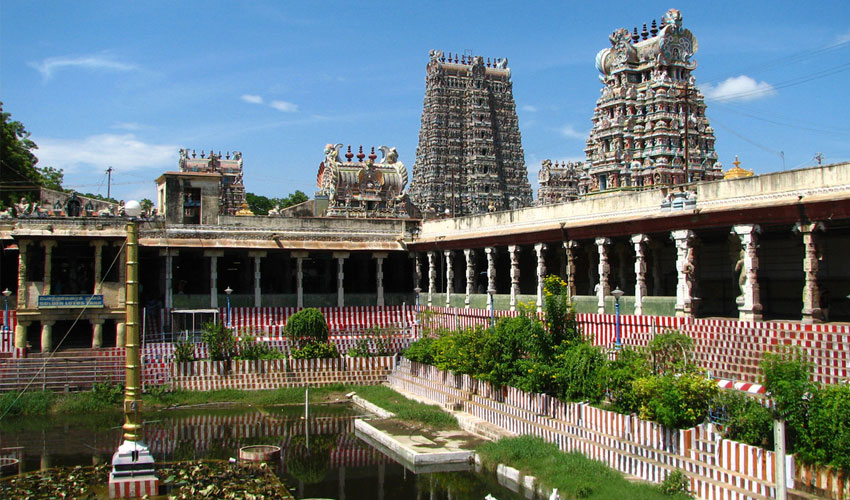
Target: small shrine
{"x": 737, "y": 172}
{"x": 366, "y": 188}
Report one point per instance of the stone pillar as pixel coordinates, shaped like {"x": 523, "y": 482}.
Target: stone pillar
{"x": 540, "y": 248}
{"x": 603, "y": 289}
{"x": 21, "y": 334}
{"x": 812, "y": 312}
{"x": 169, "y": 276}
{"x": 432, "y": 276}
{"x": 48, "y": 266}
{"x": 214, "y": 255}
{"x": 98, "y": 264}
{"x": 47, "y": 336}
{"x": 749, "y": 302}
{"x": 340, "y": 277}
{"x": 417, "y": 271}
{"x": 97, "y": 333}
{"x": 258, "y": 295}
{"x": 299, "y": 277}
{"x": 513, "y": 250}
{"x": 379, "y": 275}
{"x": 570, "y": 248}
{"x": 470, "y": 275}
{"x": 450, "y": 275}
{"x": 491, "y": 274}
{"x": 685, "y": 267}
{"x": 120, "y": 334}
{"x": 23, "y": 245}
{"x": 639, "y": 241}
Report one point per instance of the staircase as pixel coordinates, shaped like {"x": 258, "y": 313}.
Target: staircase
{"x": 70, "y": 370}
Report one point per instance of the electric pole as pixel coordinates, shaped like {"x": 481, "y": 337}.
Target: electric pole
{"x": 109, "y": 182}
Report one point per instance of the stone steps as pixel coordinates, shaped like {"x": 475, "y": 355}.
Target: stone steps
{"x": 413, "y": 384}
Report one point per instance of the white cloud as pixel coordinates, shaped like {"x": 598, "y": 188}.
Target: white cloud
{"x": 253, "y": 99}
{"x": 739, "y": 88}
{"x": 120, "y": 151}
{"x": 840, "y": 39}
{"x": 570, "y": 132}
{"x": 529, "y": 108}
{"x": 286, "y": 107}
{"x": 51, "y": 65}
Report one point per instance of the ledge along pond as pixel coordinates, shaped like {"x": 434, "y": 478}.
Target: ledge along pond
{"x": 320, "y": 457}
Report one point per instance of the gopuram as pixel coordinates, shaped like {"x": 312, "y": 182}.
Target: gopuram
{"x": 232, "y": 194}
{"x": 363, "y": 188}
{"x": 649, "y": 125}
{"x": 470, "y": 158}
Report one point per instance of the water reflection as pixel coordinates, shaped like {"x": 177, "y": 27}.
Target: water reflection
{"x": 321, "y": 458}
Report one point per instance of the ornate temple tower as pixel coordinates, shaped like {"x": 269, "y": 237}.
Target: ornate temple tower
{"x": 559, "y": 181}
{"x": 469, "y": 159}
{"x": 232, "y": 193}
{"x": 649, "y": 126}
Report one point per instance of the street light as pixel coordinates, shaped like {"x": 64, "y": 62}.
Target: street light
{"x": 132, "y": 465}
{"x": 617, "y": 293}
{"x": 228, "y": 291}
{"x": 6, "y": 294}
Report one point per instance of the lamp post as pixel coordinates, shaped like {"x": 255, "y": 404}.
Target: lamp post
{"x": 132, "y": 465}
{"x": 417, "y": 291}
{"x": 491, "y": 292}
{"x": 6, "y": 294}
{"x": 617, "y": 293}
{"x": 228, "y": 291}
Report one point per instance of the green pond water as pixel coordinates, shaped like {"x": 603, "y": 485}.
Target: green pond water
{"x": 321, "y": 457}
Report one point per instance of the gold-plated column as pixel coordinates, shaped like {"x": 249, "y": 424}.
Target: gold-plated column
{"x": 133, "y": 386}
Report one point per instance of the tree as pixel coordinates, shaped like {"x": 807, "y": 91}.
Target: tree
{"x": 261, "y": 205}
{"x": 293, "y": 199}
{"x": 17, "y": 162}
{"x": 51, "y": 178}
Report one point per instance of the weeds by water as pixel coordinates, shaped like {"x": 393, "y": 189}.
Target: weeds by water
{"x": 406, "y": 409}
{"x": 575, "y": 475}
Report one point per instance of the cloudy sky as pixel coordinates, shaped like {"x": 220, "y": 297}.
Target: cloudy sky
{"x": 125, "y": 84}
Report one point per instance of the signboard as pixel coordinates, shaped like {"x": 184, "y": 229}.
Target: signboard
{"x": 69, "y": 301}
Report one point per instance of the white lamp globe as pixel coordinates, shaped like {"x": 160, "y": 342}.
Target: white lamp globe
{"x": 132, "y": 208}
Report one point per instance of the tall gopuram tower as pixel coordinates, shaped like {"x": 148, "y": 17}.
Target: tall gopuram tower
{"x": 649, "y": 126}
{"x": 469, "y": 159}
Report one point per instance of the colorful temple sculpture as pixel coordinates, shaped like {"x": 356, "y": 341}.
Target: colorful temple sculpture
{"x": 229, "y": 166}
{"x": 365, "y": 189}
{"x": 470, "y": 158}
{"x": 559, "y": 182}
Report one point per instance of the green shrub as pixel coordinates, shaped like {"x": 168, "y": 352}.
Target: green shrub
{"x": 675, "y": 482}
{"x": 786, "y": 379}
{"x": 561, "y": 321}
{"x": 421, "y": 351}
{"x": 504, "y": 345}
{"x": 250, "y": 348}
{"x": 676, "y": 401}
{"x": 307, "y": 326}
{"x": 579, "y": 372}
{"x": 460, "y": 351}
{"x": 184, "y": 351}
{"x": 220, "y": 342}
{"x": 620, "y": 374}
{"x": 670, "y": 352}
{"x": 826, "y": 440}
{"x": 108, "y": 392}
{"x": 316, "y": 350}
{"x": 745, "y": 419}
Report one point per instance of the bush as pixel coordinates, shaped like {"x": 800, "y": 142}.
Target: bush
{"x": 184, "y": 351}
{"x": 219, "y": 340}
{"x": 307, "y": 326}
{"x": 579, "y": 372}
{"x": 744, "y": 419}
{"x": 316, "y": 350}
{"x": 676, "y": 401}
{"x": 560, "y": 318}
{"x": 827, "y": 437}
{"x": 620, "y": 374}
{"x": 421, "y": 351}
{"x": 504, "y": 345}
{"x": 786, "y": 379}
{"x": 250, "y": 348}
{"x": 108, "y": 393}
{"x": 375, "y": 344}
{"x": 675, "y": 482}
{"x": 670, "y": 352}
{"x": 461, "y": 351}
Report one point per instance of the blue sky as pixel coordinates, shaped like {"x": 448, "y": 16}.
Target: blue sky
{"x": 128, "y": 83}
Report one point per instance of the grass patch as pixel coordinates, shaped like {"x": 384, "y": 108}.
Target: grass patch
{"x": 407, "y": 409}
{"x": 575, "y": 475}
{"x": 28, "y": 404}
